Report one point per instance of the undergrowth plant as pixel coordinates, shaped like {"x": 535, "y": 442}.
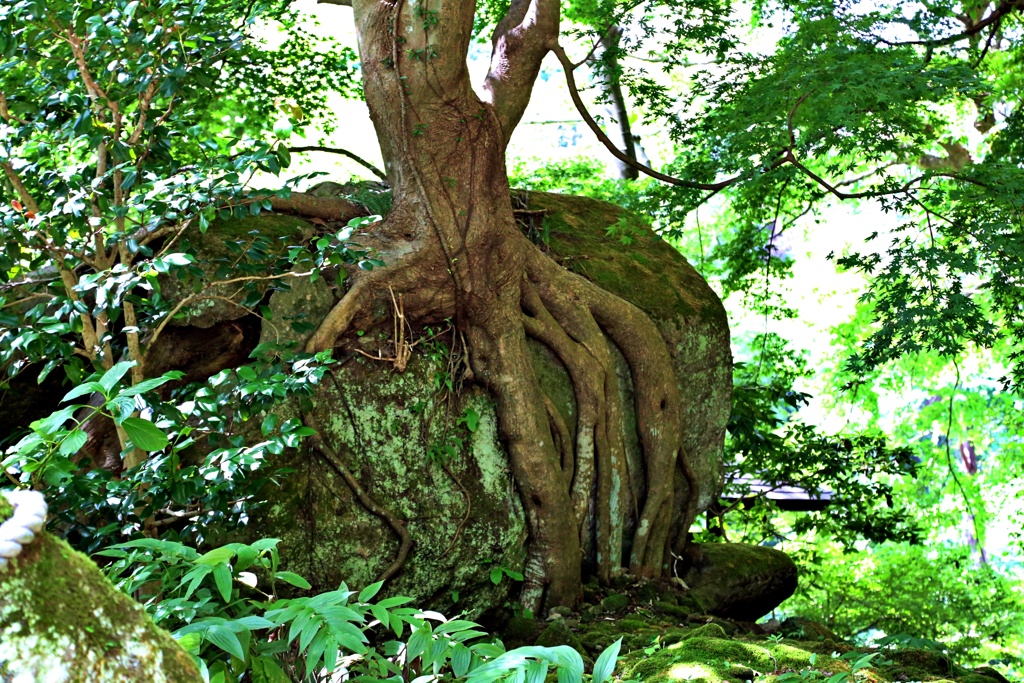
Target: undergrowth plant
{"x": 236, "y": 611}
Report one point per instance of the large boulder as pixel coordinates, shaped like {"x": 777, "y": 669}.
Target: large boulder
{"x": 739, "y": 581}
{"x": 433, "y": 457}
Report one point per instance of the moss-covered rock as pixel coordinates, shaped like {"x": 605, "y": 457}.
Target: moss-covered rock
{"x": 739, "y": 581}
{"x": 655, "y": 649}
{"x": 559, "y": 633}
{"x": 400, "y": 436}
{"x": 805, "y": 629}
{"x": 614, "y": 602}
{"x": 62, "y": 621}
{"x": 519, "y": 631}
{"x": 259, "y": 241}
{"x": 708, "y": 631}
{"x": 451, "y": 486}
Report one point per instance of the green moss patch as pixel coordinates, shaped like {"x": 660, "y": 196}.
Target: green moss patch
{"x": 60, "y": 619}
{"x": 660, "y": 647}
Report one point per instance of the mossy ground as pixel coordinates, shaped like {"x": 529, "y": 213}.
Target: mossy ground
{"x": 665, "y": 640}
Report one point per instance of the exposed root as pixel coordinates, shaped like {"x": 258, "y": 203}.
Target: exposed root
{"x": 578, "y": 342}
{"x": 397, "y": 525}
{"x": 502, "y": 360}
{"x": 340, "y": 317}
{"x": 324, "y": 208}
{"x": 658, "y": 405}
{"x": 465, "y": 517}
{"x": 403, "y": 349}
{"x": 563, "y": 440}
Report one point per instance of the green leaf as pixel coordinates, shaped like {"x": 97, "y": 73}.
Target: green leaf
{"x": 222, "y": 577}
{"x": 216, "y": 556}
{"x": 246, "y": 557}
{"x": 537, "y": 671}
{"x": 150, "y": 384}
{"x": 50, "y": 425}
{"x": 266, "y": 670}
{"x": 284, "y": 156}
{"x": 462, "y": 657}
{"x": 225, "y": 639}
{"x": 605, "y": 664}
{"x": 418, "y": 642}
{"x": 471, "y": 419}
{"x": 367, "y": 593}
{"x": 293, "y": 579}
{"x": 190, "y": 641}
{"x": 496, "y": 575}
{"x": 254, "y": 623}
{"x": 72, "y": 442}
{"x": 144, "y": 434}
{"x": 83, "y": 389}
{"x": 112, "y": 376}
{"x": 395, "y": 601}
{"x": 269, "y": 424}
{"x": 456, "y": 625}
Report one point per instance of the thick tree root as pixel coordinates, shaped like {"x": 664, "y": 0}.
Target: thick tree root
{"x": 658, "y": 405}
{"x": 397, "y": 525}
{"x": 589, "y": 476}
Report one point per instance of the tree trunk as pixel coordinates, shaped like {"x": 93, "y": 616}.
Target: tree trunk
{"x": 454, "y": 251}
{"x": 618, "y": 128}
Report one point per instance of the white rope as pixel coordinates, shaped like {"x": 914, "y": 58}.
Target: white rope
{"x": 21, "y": 528}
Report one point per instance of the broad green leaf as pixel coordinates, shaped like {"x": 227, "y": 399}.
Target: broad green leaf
{"x": 388, "y": 603}
{"x": 225, "y": 639}
{"x": 254, "y": 623}
{"x": 605, "y": 664}
{"x": 462, "y": 656}
{"x": 309, "y": 631}
{"x": 150, "y": 384}
{"x": 144, "y": 434}
{"x": 112, "y": 376}
{"x": 190, "y": 641}
{"x": 53, "y": 423}
{"x": 418, "y": 642}
{"x": 72, "y": 442}
{"x": 293, "y": 579}
{"x": 266, "y": 670}
{"x": 83, "y": 389}
{"x": 216, "y": 556}
{"x": 537, "y": 671}
{"x": 222, "y": 577}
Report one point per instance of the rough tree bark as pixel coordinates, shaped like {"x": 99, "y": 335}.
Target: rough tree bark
{"x": 454, "y": 251}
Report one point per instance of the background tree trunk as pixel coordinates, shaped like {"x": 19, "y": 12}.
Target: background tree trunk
{"x": 616, "y": 112}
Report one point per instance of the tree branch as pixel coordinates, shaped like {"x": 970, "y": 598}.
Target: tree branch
{"x": 1001, "y": 10}
{"x": 574, "y": 93}
{"x": 343, "y": 152}
{"x": 520, "y": 42}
